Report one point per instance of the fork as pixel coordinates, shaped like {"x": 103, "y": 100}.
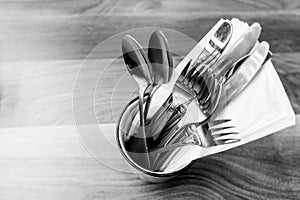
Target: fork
{"x": 211, "y": 49}
{"x": 208, "y": 134}
{"x": 204, "y": 67}
{"x": 246, "y": 74}
{"x": 209, "y": 55}
{"x": 197, "y": 110}
{"x": 202, "y": 84}
{"x": 193, "y": 112}
{"x": 202, "y": 138}
{"x": 218, "y": 39}
{"x": 193, "y": 78}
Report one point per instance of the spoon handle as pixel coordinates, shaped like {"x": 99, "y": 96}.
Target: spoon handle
{"x": 142, "y": 123}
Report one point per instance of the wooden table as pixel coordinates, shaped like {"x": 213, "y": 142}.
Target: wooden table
{"x": 50, "y": 163}
{"x": 42, "y": 46}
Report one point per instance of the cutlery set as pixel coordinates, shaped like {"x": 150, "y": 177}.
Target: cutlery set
{"x": 178, "y": 106}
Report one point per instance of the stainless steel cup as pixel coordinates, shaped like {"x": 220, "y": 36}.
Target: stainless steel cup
{"x": 130, "y": 151}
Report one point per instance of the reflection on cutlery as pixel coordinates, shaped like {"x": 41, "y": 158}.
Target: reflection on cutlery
{"x": 243, "y": 75}
{"x": 160, "y": 57}
{"x": 199, "y": 81}
{"x": 163, "y": 93}
{"x": 136, "y": 63}
{"x": 191, "y": 76}
{"x": 236, "y": 84}
{"x": 195, "y": 113}
{"x": 210, "y": 54}
{"x": 223, "y": 130}
{"x": 240, "y": 48}
{"x": 161, "y": 62}
{"x": 236, "y": 65}
{"x": 185, "y": 108}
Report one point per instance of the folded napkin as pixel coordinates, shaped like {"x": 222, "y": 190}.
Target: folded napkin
{"x": 261, "y": 109}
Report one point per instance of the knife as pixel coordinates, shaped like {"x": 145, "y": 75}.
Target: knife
{"x": 240, "y": 48}
{"x": 243, "y": 76}
{"x": 240, "y": 62}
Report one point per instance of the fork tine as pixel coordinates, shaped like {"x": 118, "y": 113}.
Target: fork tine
{"x": 202, "y": 69}
{"x": 196, "y": 66}
{"x": 224, "y": 138}
{"x": 202, "y": 92}
{"x": 198, "y": 83}
{"x": 202, "y": 87}
{"x": 205, "y": 106}
{"x": 219, "y": 133}
{"x": 221, "y": 128}
{"x": 189, "y": 74}
{"x": 208, "y": 63}
{"x": 228, "y": 141}
{"x": 207, "y": 103}
{"x": 211, "y": 89}
{"x": 212, "y": 58}
{"x": 218, "y": 122}
{"x": 204, "y": 96}
{"x": 200, "y": 61}
{"x": 200, "y": 66}
{"x": 184, "y": 71}
{"x": 216, "y": 98}
{"x": 192, "y": 80}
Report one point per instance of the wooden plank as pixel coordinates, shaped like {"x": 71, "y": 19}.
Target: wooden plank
{"x": 287, "y": 66}
{"x": 144, "y": 6}
{"x": 50, "y": 163}
{"x": 52, "y": 36}
{"x": 40, "y": 93}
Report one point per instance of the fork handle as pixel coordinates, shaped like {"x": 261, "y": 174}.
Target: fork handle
{"x": 175, "y": 131}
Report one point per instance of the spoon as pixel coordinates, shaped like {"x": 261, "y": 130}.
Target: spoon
{"x": 161, "y": 61}
{"x": 165, "y": 90}
{"x": 137, "y": 65}
{"x": 160, "y": 57}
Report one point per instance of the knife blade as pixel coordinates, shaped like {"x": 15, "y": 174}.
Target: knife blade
{"x": 240, "y": 48}
{"x": 243, "y": 76}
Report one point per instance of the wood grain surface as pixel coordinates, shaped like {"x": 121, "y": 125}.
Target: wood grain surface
{"x": 50, "y": 163}
{"x": 56, "y": 29}
{"x": 42, "y": 47}
{"x": 40, "y": 93}
{"x": 43, "y": 44}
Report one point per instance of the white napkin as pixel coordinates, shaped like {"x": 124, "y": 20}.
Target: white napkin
{"x": 261, "y": 109}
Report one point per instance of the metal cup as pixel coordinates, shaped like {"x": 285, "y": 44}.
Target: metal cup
{"x": 131, "y": 151}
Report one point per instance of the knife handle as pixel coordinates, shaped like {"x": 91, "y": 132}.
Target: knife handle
{"x": 243, "y": 76}
{"x": 240, "y": 48}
